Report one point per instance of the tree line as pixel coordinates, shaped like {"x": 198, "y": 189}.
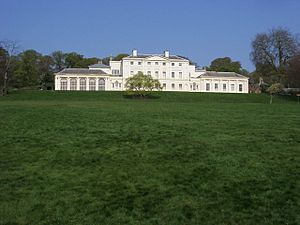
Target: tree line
{"x": 275, "y": 54}
{"x": 32, "y": 69}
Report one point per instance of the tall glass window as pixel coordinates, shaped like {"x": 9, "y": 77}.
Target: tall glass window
{"x": 240, "y": 87}
{"x": 82, "y": 84}
{"x": 92, "y": 84}
{"x": 207, "y": 86}
{"x": 73, "y": 84}
{"x": 63, "y": 84}
{"x": 101, "y": 84}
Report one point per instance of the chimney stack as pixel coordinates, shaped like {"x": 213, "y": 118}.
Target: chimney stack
{"x": 167, "y": 54}
{"x": 134, "y": 52}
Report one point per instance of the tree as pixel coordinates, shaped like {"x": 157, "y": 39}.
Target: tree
{"x": 86, "y": 62}
{"x": 293, "y": 72}
{"x": 271, "y": 52}
{"x": 74, "y": 60}
{"x": 46, "y": 72}
{"x": 59, "y": 60}
{"x": 28, "y": 71}
{"x": 106, "y": 60}
{"x": 8, "y": 50}
{"x": 225, "y": 65}
{"x": 273, "y": 90}
{"x": 142, "y": 85}
{"x": 120, "y": 57}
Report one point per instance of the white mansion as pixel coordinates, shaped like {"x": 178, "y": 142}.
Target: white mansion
{"x": 175, "y": 73}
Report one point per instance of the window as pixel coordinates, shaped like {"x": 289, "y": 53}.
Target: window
{"x": 180, "y": 86}
{"x": 164, "y": 63}
{"x": 101, "y": 84}
{"x": 116, "y": 84}
{"x": 156, "y": 74}
{"x": 92, "y": 84}
{"x": 73, "y": 84}
{"x": 232, "y": 87}
{"x": 173, "y": 86}
{"x": 173, "y": 64}
{"x": 207, "y": 86}
{"x": 164, "y": 75}
{"x": 194, "y": 86}
{"x": 164, "y": 86}
{"x": 180, "y": 75}
{"x": 82, "y": 84}
{"x": 180, "y": 64}
{"x": 173, "y": 74}
{"x": 120, "y": 85}
{"x": 139, "y": 63}
{"x": 63, "y": 84}
{"x": 240, "y": 87}
{"x": 216, "y": 87}
{"x": 148, "y": 63}
{"x": 115, "y": 72}
{"x": 131, "y": 63}
{"x": 224, "y": 87}
{"x": 156, "y": 63}
{"x": 148, "y": 72}
{"x": 131, "y": 72}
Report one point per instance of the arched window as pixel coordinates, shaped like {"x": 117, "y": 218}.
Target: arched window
{"x": 82, "y": 84}
{"x": 63, "y": 84}
{"x": 73, "y": 84}
{"x": 116, "y": 84}
{"x": 101, "y": 84}
{"x": 92, "y": 84}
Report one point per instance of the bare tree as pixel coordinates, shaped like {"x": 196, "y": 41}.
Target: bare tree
{"x": 10, "y": 48}
{"x": 271, "y": 52}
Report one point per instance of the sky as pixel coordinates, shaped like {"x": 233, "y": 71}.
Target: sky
{"x": 199, "y": 29}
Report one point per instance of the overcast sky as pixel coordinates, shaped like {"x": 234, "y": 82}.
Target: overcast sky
{"x": 199, "y": 29}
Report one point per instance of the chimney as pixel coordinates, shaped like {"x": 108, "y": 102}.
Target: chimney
{"x": 166, "y": 54}
{"x": 134, "y": 52}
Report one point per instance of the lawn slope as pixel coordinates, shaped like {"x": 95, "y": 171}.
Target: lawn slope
{"x": 186, "y": 158}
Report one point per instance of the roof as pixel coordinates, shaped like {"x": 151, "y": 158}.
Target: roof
{"x": 80, "y": 71}
{"x": 151, "y": 55}
{"x": 223, "y": 74}
{"x": 99, "y": 65}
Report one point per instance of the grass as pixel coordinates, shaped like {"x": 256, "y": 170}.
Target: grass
{"x": 186, "y": 158}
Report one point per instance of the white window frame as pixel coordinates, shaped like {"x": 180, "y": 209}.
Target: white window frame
{"x": 92, "y": 84}
{"x": 63, "y": 84}
{"x": 216, "y": 86}
{"x": 82, "y": 84}
{"x": 73, "y": 85}
{"x": 240, "y": 87}
{"x": 232, "y": 86}
{"x": 207, "y": 86}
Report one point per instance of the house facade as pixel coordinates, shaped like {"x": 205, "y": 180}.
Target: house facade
{"x": 174, "y": 72}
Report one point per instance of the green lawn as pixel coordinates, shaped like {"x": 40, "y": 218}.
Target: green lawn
{"x": 186, "y": 158}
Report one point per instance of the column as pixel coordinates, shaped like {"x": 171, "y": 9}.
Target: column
{"x": 87, "y": 83}
{"x": 77, "y": 83}
{"x": 97, "y": 83}
{"x": 58, "y": 83}
{"x": 68, "y": 83}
